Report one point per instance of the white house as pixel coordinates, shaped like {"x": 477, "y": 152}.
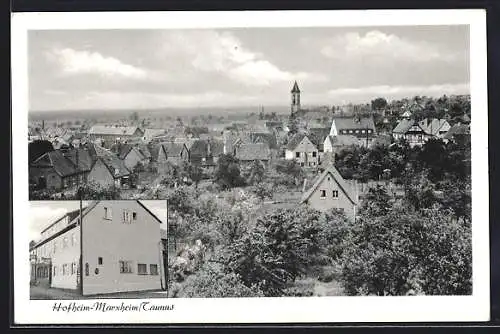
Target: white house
{"x": 121, "y": 249}
{"x": 302, "y": 150}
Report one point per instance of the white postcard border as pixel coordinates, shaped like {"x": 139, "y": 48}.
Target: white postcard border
{"x": 269, "y": 310}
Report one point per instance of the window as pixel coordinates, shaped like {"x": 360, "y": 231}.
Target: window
{"x": 99, "y": 260}
{"x": 54, "y": 271}
{"x": 153, "y": 269}
{"x": 55, "y": 247}
{"x": 142, "y": 269}
{"x": 73, "y": 268}
{"x": 314, "y": 154}
{"x": 362, "y": 131}
{"x": 335, "y": 194}
{"x": 65, "y": 269}
{"x": 329, "y": 179}
{"x": 108, "y": 213}
{"x": 323, "y": 193}
{"x": 134, "y": 215}
{"x": 125, "y": 267}
{"x": 357, "y": 131}
{"x": 127, "y": 217}
{"x": 87, "y": 270}
{"x": 73, "y": 239}
{"x": 369, "y": 131}
{"x": 65, "y": 242}
{"x": 297, "y": 154}
{"x": 350, "y": 131}
{"x": 310, "y": 164}
{"x": 302, "y": 164}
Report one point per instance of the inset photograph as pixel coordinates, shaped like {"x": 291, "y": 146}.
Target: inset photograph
{"x": 98, "y": 249}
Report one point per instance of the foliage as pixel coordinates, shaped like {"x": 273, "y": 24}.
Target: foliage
{"x": 263, "y": 190}
{"x": 256, "y": 174}
{"x": 227, "y": 174}
{"x": 377, "y": 202}
{"x": 404, "y": 252}
{"x": 212, "y": 282}
{"x": 181, "y": 200}
{"x": 281, "y": 246}
{"x": 379, "y": 103}
{"x": 95, "y": 191}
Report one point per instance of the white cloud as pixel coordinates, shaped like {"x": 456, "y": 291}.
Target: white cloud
{"x": 376, "y": 44}
{"x": 84, "y": 62}
{"x": 398, "y": 91}
{"x": 222, "y": 52}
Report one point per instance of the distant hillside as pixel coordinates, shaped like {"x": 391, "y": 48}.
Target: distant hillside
{"x": 174, "y": 112}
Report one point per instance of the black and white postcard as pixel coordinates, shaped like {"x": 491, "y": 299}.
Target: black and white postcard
{"x": 226, "y": 167}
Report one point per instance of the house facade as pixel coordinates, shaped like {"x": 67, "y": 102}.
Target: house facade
{"x": 417, "y": 133}
{"x": 110, "y": 134}
{"x": 362, "y": 128}
{"x": 109, "y": 171}
{"x": 303, "y": 151}
{"x": 331, "y": 191}
{"x": 110, "y": 264}
{"x": 58, "y": 170}
{"x": 335, "y": 144}
{"x": 175, "y": 153}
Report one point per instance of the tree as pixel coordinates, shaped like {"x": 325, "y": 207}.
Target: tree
{"x": 281, "y": 246}
{"x": 263, "y": 190}
{"x": 211, "y": 281}
{"x": 227, "y": 174}
{"x": 379, "y": 103}
{"x": 407, "y": 252}
{"x": 257, "y": 172}
{"x": 38, "y": 148}
{"x": 377, "y": 202}
{"x": 192, "y": 172}
{"x": 95, "y": 191}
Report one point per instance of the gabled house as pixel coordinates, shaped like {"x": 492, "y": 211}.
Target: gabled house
{"x": 174, "y": 153}
{"x": 113, "y": 133}
{"x": 361, "y": 127}
{"x": 132, "y": 154}
{"x": 435, "y": 127}
{"x": 247, "y": 153}
{"x": 457, "y": 131}
{"x": 301, "y": 149}
{"x": 57, "y": 170}
{"x": 92, "y": 252}
{"x": 417, "y": 133}
{"x": 206, "y": 153}
{"x": 331, "y": 191}
{"x": 335, "y": 144}
{"x": 108, "y": 169}
{"x": 411, "y": 131}
{"x": 150, "y": 134}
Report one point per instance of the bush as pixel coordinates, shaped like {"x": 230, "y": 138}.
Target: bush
{"x": 212, "y": 282}
{"x": 282, "y": 245}
{"x": 426, "y": 252}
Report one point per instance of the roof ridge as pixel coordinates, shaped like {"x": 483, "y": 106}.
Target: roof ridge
{"x": 337, "y": 177}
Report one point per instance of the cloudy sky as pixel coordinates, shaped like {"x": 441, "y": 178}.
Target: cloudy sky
{"x": 44, "y": 213}
{"x": 115, "y": 69}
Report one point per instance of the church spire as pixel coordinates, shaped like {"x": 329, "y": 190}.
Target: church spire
{"x": 295, "y": 106}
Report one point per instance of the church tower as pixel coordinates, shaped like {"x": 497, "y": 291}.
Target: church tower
{"x": 295, "y": 98}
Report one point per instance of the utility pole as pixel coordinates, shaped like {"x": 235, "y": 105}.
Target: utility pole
{"x": 81, "y": 241}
